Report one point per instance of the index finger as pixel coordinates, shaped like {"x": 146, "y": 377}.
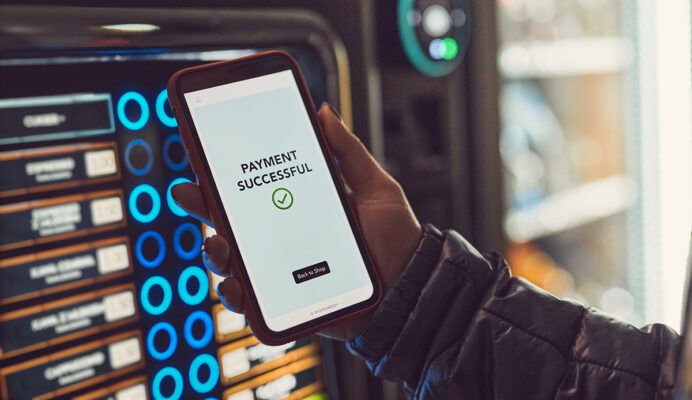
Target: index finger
{"x": 360, "y": 170}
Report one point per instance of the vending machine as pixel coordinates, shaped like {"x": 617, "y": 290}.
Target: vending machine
{"x": 595, "y": 146}
{"x": 103, "y": 294}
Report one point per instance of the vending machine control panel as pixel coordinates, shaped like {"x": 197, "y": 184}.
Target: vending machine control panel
{"x": 103, "y": 293}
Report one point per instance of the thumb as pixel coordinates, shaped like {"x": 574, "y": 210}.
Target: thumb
{"x": 360, "y": 170}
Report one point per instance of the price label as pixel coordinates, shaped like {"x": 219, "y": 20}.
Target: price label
{"x": 235, "y": 362}
{"x": 244, "y": 395}
{"x": 228, "y": 322}
{"x": 137, "y": 392}
{"x": 106, "y": 211}
{"x": 112, "y": 258}
{"x": 119, "y": 306}
{"x": 130, "y": 389}
{"x": 124, "y": 353}
{"x": 100, "y": 163}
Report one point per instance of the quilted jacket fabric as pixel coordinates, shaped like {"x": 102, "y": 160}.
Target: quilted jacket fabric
{"x": 456, "y": 325}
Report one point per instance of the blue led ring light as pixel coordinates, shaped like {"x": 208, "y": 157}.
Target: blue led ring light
{"x": 172, "y": 342}
{"x": 194, "y": 342}
{"x": 167, "y": 295}
{"x": 150, "y": 157}
{"x": 143, "y": 106}
{"x": 165, "y": 153}
{"x": 165, "y": 119}
{"x": 175, "y": 209}
{"x": 156, "y": 384}
{"x": 140, "y": 253}
{"x": 177, "y": 236}
{"x": 199, "y": 274}
{"x": 210, "y": 361}
{"x": 155, "y": 203}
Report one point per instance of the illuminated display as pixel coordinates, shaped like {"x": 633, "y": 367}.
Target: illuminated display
{"x": 149, "y": 158}
{"x": 37, "y": 119}
{"x": 62, "y": 269}
{"x": 103, "y": 293}
{"x": 172, "y": 340}
{"x": 205, "y": 319}
{"x": 159, "y": 245}
{"x": 213, "y": 376}
{"x": 66, "y": 371}
{"x": 194, "y": 249}
{"x": 50, "y": 168}
{"x": 201, "y": 293}
{"x": 143, "y": 111}
{"x": 130, "y": 389}
{"x": 434, "y": 34}
{"x": 167, "y": 372}
{"x": 169, "y": 145}
{"x": 49, "y": 220}
{"x": 165, "y": 302}
{"x": 72, "y": 317}
{"x": 155, "y": 203}
{"x": 175, "y": 209}
{"x": 164, "y": 116}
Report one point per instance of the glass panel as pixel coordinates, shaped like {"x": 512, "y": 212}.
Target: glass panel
{"x": 584, "y": 152}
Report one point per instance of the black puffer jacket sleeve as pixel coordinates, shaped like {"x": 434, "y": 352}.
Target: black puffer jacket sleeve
{"x": 456, "y": 325}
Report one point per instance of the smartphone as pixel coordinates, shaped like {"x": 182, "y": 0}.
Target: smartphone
{"x": 274, "y": 192}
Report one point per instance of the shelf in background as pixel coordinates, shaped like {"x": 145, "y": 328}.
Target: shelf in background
{"x": 564, "y": 58}
{"x": 571, "y": 209}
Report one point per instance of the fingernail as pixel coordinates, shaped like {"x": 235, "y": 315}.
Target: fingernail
{"x": 222, "y": 299}
{"x": 333, "y": 110}
{"x": 219, "y": 290}
{"x": 173, "y": 195}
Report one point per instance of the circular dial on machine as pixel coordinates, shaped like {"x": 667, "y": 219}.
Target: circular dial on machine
{"x": 434, "y": 33}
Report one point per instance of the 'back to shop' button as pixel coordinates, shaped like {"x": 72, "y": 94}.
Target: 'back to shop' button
{"x": 311, "y": 272}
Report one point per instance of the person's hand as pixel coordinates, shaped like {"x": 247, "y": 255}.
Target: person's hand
{"x": 389, "y": 226}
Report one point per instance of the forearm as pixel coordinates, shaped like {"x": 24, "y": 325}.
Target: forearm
{"x": 430, "y": 305}
{"x": 456, "y": 324}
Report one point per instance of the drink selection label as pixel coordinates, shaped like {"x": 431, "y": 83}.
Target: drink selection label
{"x": 69, "y": 370}
{"x": 35, "y": 119}
{"x": 131, "y": 389}
{"x": 59, "y": 167}
{"x": 294, "y": 381}
{"x": 48, "y": 220}
{"x": 52, "y": 271}
{"x": 228, "y": 325}
{"x": 67, "y": 319}
{"x": 248, "y": 357}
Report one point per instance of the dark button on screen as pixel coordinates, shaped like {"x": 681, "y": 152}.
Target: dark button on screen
{"x": 311, "y": 272}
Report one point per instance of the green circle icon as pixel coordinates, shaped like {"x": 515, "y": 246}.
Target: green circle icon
{"x": 282, "y": 198}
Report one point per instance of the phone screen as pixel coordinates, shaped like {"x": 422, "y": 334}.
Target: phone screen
{"x": 290, "y": 227}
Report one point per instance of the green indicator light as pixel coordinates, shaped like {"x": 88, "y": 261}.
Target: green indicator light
{"x": 449, "y": 48}
{"x": 317, "y": 396}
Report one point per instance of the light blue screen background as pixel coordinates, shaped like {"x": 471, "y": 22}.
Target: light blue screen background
{"x": 276, "y": 242}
